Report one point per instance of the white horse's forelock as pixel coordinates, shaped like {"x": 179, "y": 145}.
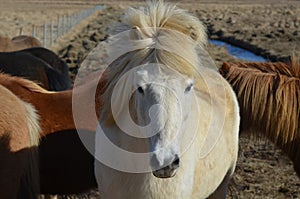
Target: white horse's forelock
{"x": 165, "y": 27}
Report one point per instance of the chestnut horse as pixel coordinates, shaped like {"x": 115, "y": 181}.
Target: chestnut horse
{"x": 268, "y": 94}
{"x": 66, "y": 167}
{"x": 19, "y": 138}
{"x": 37, "y": 64}
{"x": 18, "y": 43}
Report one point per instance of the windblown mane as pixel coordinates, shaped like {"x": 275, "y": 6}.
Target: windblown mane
{"x": 174, "y": 37}
{"x": 6, "y": 79}
{"x": 269, "y": 95}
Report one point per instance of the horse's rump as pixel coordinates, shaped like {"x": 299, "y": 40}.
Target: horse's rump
{"x": 27, "y": 64}
{"x": 49, "y": 57}
{"x": 18, "y": 43}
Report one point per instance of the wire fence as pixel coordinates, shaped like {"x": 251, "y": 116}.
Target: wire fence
{"x": 50, "y": 31}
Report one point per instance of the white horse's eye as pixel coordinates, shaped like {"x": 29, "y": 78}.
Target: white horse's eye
{"x": 189, "y": 88}
{"x": 140, "y": 90}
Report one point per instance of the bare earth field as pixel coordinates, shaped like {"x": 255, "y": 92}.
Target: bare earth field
{"x": 270, "y": 28}
{"x": 17, "y": 15}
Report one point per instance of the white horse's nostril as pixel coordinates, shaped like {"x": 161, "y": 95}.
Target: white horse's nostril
{"x": 168, "y": 170}
{"x": 175, "y": 164}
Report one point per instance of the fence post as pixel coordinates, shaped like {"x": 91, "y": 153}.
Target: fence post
{"x": 64, "y": 24}
{"x": 58, "y": 27}
{"x": 33, "y": 32}
{"x": 69, "y": 22}
{"x": 51, "y": 33}
{"x": 21, "y": 31}
{"x": 45, "y": 35}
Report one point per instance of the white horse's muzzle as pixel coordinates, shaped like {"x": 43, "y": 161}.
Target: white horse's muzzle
{"x": 169, "y": 170}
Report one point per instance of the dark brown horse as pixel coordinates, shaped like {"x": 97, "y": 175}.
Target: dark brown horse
{"x": 66, "y": 167}
{"x": 19, "y": 137}
{"x": 37, "y": 64}
{"x": 18, "y": 43}
{"x": 269, "y": 98}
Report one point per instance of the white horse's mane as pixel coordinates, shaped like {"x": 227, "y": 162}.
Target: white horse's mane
{"x": 163, "y": 26}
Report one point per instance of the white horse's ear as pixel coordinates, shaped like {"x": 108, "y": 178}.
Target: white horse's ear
{"x": 142, "y": 74}
{"x": 135, "y": 33}
{"x": 140, "y": 77}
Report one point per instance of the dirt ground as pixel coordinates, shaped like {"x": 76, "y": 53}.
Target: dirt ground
{"x": 269, "y": 28}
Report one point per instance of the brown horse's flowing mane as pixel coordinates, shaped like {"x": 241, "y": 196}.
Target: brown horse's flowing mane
{"x": 24, "y": 83}
{"x": 269, "y": 98}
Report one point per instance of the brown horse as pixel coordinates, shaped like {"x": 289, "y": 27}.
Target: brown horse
{"x": 19, "y": 137}
{"x": 268, "y": 95}
{"x": 66, "y": 166}
{"x": 37, "y": 64}
{"x": 18, "y": 43}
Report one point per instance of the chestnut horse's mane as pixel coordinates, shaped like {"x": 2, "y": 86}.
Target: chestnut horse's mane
{"x": 24, "y": 83}
{"x": 269, "y": 97}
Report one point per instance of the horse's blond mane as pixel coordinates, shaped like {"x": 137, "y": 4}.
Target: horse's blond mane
{"x": 269, "y": 96}
{"x": 24, "y": 83}
{"x": 170, "y": 29}
{"x": 158, "y": 14}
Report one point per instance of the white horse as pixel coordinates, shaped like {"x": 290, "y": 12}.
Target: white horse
{"x": 169, "y": 124}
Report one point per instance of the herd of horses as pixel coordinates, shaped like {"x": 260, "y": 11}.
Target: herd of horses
{"x": 40, "y": 146}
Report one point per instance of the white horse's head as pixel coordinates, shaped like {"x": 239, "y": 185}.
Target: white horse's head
{"x": 151, "y": 72}
{"x": 162, "y": 103}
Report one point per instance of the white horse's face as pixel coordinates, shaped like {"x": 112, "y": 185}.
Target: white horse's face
{"x": 162, "y": 103}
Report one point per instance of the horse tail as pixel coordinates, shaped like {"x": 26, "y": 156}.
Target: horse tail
{"x": 29, "y": 187}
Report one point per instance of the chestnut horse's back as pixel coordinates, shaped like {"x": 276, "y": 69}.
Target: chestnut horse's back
{"x": 37, "y": 64}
